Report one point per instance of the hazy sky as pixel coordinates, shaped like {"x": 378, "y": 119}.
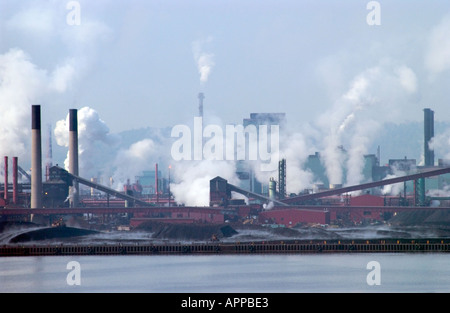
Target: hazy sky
{"x": 136, "y": 62}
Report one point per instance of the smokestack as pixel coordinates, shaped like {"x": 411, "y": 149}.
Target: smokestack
{"x": 73, "y": 155}
{"x": 93, "y": 180}
{"x": 5, "y": 196}
{"x": 272, "y": 189}
{"x": 156, "y": 183}
{"x": 428, "y": 135}
{"x": 15, "y": 179}
{"x": 36, "y": 158}
{"x": 49, "y": 162}
{"x": 201, "y": 96}
{"x": 282, "y": 178}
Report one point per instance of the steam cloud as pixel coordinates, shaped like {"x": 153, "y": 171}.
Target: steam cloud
{"x": 99, "y": 153}
{"x": 381, "y": 92}
{"x": 437, "y": 58}
{"x": 131, "y": 162}
{"x": 204, "y": 60}
{"x": 21, "y": 84}
{"x": 191, "y": 185}
{"x": 440, "y": 143}
{"x": 351, "y": 122}
{"x": 95, "y": 141}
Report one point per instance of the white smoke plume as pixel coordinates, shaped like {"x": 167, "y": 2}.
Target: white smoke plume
{"x": 22, "y": 84}
{"x": 444, "y": 192}
{"x": 268, "y": 206}
{"x": 96, "y": 143}
{"x": 397, "y": 171}
{"x": 394, "y": 189}
{"x": 440, "y": 143}
{"x": 204, "y": 60}
{"x": 437, "y": 57}
{"x": 131, "y": 162}
{"x": 36, "y": 29}
{"x": 191, "y": 180}
{"x": 375, "y": 96}
{"x": 295, "y": 149}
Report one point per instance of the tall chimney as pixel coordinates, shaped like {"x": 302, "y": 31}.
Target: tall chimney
{"x": 201, "y": 96}
{"x": 5, "y": 196}
{"x": 49, "y": 158}
{"x": 36, "y": 158}
{"x": 15, "y": 178}
{"x": 428, "y": 135}
{"x": 73, "y": 155}
{"x": 156, "y": 183}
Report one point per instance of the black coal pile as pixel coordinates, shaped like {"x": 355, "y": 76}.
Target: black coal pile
{"x": 50, "y": 234}
{"x": 187, "y": 231}
{"x": 261, "y": 233}
{"x": 422, "y": 217}
{"x": 10, "y": 226}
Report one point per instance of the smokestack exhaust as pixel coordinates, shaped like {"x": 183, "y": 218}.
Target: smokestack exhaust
{"x": 73, "y": 155}
{"x": 36, "y": 158}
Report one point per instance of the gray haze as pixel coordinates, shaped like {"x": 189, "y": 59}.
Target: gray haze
{"x": 140, "y": 64}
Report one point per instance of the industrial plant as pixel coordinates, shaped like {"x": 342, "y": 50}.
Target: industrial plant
{"x": 96, "y": 205}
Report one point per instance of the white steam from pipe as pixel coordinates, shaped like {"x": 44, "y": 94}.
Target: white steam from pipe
{"x": 23, "y": 83}
{"x": 99, "y": 153}
{"x": 375, "y": 96}
{"x": 191, "y": 179}
{"x": 130, "y": 162}
{"x": 204, "y": 60}
{"x": 95, "y": 142}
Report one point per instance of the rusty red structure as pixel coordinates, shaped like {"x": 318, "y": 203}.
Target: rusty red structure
{"x": 339, "y": 191}
{"x": 5, "y": 194}
{"x": 15, "y": 180}
{"x": 289, "y": 217}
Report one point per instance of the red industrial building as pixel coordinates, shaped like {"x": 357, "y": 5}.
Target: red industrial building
{"x": 187, "y": 215}
{"x": 360, "y": 208}
{"x": 292, "y": 216}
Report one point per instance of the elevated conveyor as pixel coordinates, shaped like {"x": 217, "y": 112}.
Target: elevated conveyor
{"x": 101, "y": 188}
{"x": 339, "y": 191}
{"x": 250, "y": 194}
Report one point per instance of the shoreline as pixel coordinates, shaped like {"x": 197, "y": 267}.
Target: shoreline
{"x": 421, "y": 245}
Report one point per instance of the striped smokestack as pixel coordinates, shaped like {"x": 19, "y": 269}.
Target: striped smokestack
{"x": 36, "y": 158}
{"x": 73, "y": 155}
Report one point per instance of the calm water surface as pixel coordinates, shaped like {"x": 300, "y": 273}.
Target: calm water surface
{"x": 229, "y": 273}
